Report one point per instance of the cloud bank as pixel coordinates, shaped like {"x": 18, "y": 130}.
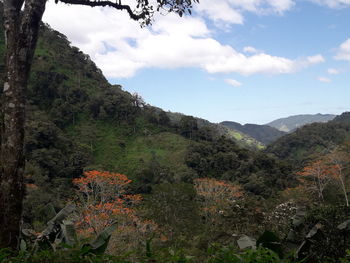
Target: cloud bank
{"x": 121, "y": 48}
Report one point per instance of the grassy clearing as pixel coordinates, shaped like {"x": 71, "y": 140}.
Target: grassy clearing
{"x": 125, "y": 149}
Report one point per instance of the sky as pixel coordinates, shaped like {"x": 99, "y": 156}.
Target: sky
{"x": 250, "y": 61}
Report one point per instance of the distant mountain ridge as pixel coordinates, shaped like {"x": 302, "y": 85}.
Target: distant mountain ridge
{"x": 292, "y": 123}
{"x": 262, "y": 133}
{"x": 312, "y": 140}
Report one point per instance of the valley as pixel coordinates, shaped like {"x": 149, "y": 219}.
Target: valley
{"x": 169, "y": 187}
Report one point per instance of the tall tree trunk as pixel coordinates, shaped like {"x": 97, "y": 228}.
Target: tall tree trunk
{"x": 21, "y": 33}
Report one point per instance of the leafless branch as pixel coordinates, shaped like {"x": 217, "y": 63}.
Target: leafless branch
{"x": 117, "y": 5}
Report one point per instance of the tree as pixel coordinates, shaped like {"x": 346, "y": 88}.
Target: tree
{"x": 329, "y": 167}
{"x": 103, "y": 199}
{"x": 188, "y": 126}
{"x": 174, "y": 208}
{"x": 22, "y": 19}
{"x": 319, "y": 172}
{"x": 337, "y": 158}
{"x": 217, "y": 199}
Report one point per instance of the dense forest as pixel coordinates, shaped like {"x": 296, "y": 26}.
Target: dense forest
{"x": 112, "y": 179}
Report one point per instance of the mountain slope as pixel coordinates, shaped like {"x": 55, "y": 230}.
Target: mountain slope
{"x": 77, "y": 121}
{"x": 242, "y": 139}
{"x": 293, "y": 122}
{"x": 311, "y": 140}
{"x": 262, "y": 133}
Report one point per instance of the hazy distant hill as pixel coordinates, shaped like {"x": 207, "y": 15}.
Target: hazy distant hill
{"x": 293, "y": 122}
{"x": 262, "y": 133}
{"x": 312, "y": 140}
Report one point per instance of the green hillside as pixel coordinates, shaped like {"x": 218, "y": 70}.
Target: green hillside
{"x": 242, "y": 138}
{"x": 78, "y": 121}
{"x": 262, "y": 133}
{"x": 312, "y": 140}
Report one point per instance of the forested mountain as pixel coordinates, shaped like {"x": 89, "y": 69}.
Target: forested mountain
{"x": 242, "y": 139}
{"x": 262, "y": 133}
{"x": 291, "y": 123}
{"x": 312, "y": 140}
{"x": 77, "y": 121}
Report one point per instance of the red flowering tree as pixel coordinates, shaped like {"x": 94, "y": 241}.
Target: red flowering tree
{"x": 216, "y": 190}
{"x": 216, "y": 196}
{"x": 316, "y": 176}
{"x": 103, "y": 200}
{"x": 338, "y": 159}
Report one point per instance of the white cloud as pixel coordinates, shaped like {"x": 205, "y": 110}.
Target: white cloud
{"x": 343, "y": 52}
{"x": 324, "y": 80}
{"x": 120, "y": 47}
{"x": 233, "y": 82}
{"x": 333, "y": 3}
{"x": 332, "y": 71}
{"x": 250, "y": 49}
{"x": 315, "y": 59}
{"x": 220, "y": 11}
{"x": 231, "y": 11}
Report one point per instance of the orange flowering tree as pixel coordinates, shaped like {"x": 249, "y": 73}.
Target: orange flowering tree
{"x": 216, "y": 190}
{"x": 316, "y": 176}
{"x": 216, "y": 195}
{"x": 103, "y": 200}
{"x": 337, "y": 159}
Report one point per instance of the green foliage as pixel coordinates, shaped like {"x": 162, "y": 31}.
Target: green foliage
{"x": 169, "y": 255}
{"x": 166, "y": 255}
{"x": 64, "y": 255}
{"x": 309, "y": 141}
{"x": 229, "y": 255}
{"x": 60, "y": 234}
{"x": 174, "y": 209}
{"x": 346, "y": 259}
{"x": 262, "y": 133}
{"x": 99, "y": 245}
{"x": 223, "y": 159}
{"x": 77, "y": 121}
{"x": 323, "y": 228}
{"x": 188, "y": 126}
{"x": 269, "y": 240}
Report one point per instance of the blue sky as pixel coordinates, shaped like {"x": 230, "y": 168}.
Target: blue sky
{"x": 250, "y": 61}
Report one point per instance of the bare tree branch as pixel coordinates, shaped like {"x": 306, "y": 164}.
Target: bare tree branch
{"x": 143, "y": 15}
